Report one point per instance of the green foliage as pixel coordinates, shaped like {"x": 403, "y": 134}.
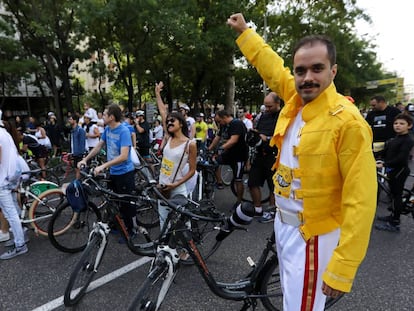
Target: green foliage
{"x": 187, "y": 44}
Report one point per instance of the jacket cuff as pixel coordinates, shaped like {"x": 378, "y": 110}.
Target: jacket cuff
{"x": 339, "y": 275}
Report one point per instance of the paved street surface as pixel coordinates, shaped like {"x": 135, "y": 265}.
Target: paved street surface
{"x": 36, "y": 280}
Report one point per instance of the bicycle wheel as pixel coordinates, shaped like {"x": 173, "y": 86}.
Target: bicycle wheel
{"x": 384, "y": 193}
{"x": 226, "y": 174}
{"x": 43, "y": 207}
{"x": 84, "y": 271}
{"x": 69, "y": 231}
{"x": 147, "y": 214}
{"x": 331, "y": 301}
{"x": 152, "y": 291}
{"x": 204, "y": 232}
{"x": 246, "y": 192}
{"x": 269, "y": 285}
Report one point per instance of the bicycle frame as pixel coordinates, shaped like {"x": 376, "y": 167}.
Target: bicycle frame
{"x": 25, "y": 206}
{"x": 176, "y": 231}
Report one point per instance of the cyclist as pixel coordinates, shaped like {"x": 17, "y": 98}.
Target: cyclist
{"x": 178, "y": 164}
{"x": 117, "y": 140}
{"x": 261, "y": 166}
{"x": 396, "y": 157}
{"x": 235, "y": 149}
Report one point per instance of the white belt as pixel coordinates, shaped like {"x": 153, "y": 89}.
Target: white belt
{"x": 290, "y": 218}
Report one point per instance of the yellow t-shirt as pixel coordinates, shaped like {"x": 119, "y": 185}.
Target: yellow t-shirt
{"x": 201, "y": 129}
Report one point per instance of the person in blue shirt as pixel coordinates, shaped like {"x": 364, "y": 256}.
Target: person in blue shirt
{"x": 77, "y": 142}
{"x": 117, "y": 140}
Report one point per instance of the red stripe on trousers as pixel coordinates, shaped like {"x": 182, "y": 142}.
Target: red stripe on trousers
{"x": 311, "y": 275}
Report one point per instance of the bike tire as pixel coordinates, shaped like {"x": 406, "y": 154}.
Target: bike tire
{"x": 246, "y": 192}
{"x": 147, "y": 214}
{"x": 384, "y": 193}
{"x": 226, "y": 174}
{"x": 331, "y": 301}
{"x": 147, "y": 295}
{"x": 42, "y": 209}
{"x": 69, "y": 231}
{"x": 83, "y": 273}
{"x": 204, "y": 233}
{"x": 269, "y": 284}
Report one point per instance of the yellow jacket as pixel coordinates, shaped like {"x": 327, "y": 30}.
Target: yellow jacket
{"x": 336, "y": 164}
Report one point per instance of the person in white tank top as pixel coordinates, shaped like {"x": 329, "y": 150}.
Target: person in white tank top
{"x": 92, "y": 132}
{"x": 178, "y": 148}
{"x": 41, "y": 136}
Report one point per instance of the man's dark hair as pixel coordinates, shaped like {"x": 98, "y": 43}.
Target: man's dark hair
{"x": 406, "y": 117}
{"x": 222, "y": 114}
{"x": 115, "y": 110}
{"x": 378, "y": 98}
{"x": 75, "y": 117}
{"x": 313, "y": 39}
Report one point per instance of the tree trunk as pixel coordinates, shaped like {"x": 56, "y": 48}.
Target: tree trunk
{"x": 230, "y": 90}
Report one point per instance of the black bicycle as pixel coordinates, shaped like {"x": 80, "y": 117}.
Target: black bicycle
{"x": 108, "y": 218}
{"x": 246, "y": 192}
{"x": 69, "y": 229}
{"x": 262, "y": 282}
{"x": 206, "y": 178}
{"x": 142, "y": 243}
{"x": 384, "y": 194}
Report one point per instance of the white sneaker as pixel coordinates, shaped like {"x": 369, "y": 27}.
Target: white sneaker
{"x": 16, "y": 251}
{"x": 4, "y": 236}
{"x": 26, "y": 239}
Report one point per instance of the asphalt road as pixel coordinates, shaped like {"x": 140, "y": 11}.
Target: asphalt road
{"x": 36, "y": 280}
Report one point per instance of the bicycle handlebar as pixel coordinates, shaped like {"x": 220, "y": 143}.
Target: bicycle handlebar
{"x": 182, "y": 210}
{"x": 120, "y": 196}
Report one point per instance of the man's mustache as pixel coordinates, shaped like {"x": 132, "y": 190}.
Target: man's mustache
{"x": 309, "y": 84}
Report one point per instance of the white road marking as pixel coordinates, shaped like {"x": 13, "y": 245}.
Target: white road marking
{"x": 51, "y": 305}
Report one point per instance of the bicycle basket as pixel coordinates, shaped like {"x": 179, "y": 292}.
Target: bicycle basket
{"x": 77, "y": 196}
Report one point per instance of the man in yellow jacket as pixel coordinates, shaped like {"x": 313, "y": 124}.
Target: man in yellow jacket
{"x": 325, "y": 180}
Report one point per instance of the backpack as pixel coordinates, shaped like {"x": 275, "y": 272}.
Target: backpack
{"x": 77, "y": 196}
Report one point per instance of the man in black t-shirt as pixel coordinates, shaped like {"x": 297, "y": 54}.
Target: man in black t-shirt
{"x": 235, "y": 149}
{"x": 261, "y": 166}
{"x": 142, "y": 130}
{"x": 381, "y": 119}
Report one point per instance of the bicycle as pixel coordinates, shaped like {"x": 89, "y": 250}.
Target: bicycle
{"x": 261, "y": 283}
{"x": 246, "y": 192}
{"x": 69, "y": 229}
{"x": 384, "y": 194}
{"x": 206, "y": 178}
{"x": 38, "y": 201}
{"x": 108, "y": 217}
{"x": 92, "y": 255}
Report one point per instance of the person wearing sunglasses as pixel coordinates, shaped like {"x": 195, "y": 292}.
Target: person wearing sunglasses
{"x": 178, "y": 163}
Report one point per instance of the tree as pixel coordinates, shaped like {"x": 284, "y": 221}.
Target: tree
{"x": 14, "y": 64}
{"x": 48, "y": 31}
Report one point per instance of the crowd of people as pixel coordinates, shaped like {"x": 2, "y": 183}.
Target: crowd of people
{"x": 312, "y": 147}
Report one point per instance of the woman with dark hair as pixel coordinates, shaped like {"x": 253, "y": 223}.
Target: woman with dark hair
{"x": 179, "y": 154}
{"x": 20, "y": 126}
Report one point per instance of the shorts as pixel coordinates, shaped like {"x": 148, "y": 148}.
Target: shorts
{"x": 144, "y": 152}
{"x": 40, "y": 152}
{"x": 261, "y": 171}
{"x": 236, "y": 166}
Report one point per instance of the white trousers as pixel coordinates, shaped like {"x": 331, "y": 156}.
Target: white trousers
{"x": 301, "y": 266}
